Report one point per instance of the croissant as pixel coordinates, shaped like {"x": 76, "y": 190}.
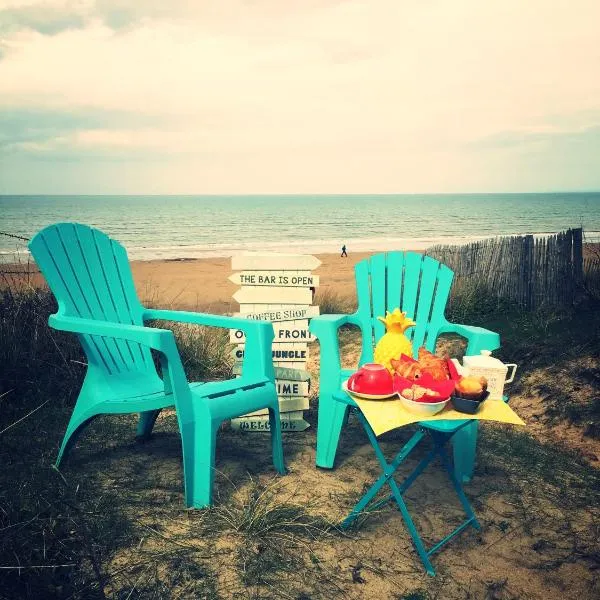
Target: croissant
{"x": 406, "y": 369}
{"x": 434, "y": 365}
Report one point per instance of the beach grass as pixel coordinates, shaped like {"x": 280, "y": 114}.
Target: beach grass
{"x": 332, "y": 302}
{"x": 112, "y": 524}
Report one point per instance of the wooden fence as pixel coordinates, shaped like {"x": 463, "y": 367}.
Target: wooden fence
{"x": 530, "y": 272}
{"x": 591, "y": 276}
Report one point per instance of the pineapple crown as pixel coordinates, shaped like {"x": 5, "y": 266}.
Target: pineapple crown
{"x": 396, "y": 320}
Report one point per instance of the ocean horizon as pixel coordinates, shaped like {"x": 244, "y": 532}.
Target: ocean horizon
{"x": 201, "y": 226}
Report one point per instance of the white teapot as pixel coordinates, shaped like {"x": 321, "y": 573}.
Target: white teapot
{"x": 494, "y": 370}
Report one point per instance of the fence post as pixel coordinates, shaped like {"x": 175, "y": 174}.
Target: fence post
{"x": 577, "y": 262}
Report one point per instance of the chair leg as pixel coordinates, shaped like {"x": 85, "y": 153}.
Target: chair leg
{"x": 332, "y": 416}
{"x": 74, "y": 429}
{"x": 276, "y": 441}
{"x": 146, "y": 423}
{"x": 464, "y": 444}
{"x": 198, "y": 441}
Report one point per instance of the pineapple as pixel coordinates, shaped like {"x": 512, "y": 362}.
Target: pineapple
{"x": 394, "y": 342}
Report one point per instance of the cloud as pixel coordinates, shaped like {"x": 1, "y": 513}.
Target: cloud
{"x": 55, "y": 135}
{"x": 397, "y": 90}
{"x": 22, "y": 124}
{"x": 48, "y": 18}
{"x": 576, "y": 127}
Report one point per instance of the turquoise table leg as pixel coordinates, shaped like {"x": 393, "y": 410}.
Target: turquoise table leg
{"x": 365, "y": 504}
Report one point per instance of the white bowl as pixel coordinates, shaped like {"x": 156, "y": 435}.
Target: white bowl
{"x": 425, "y": 409}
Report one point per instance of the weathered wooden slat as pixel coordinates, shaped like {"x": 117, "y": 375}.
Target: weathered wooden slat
{"x": 280, "y": 313}
{"x": 276, "y": 278}
{"x": 290, "y": 422}
{"x": 577, "y": 258}
{"x": 280, "y": 352}
{"x": 271, "y": 295}
{"x": 287, "y": 373}
{"x": 283, "y": 333}
{"x": 292, "y": 388}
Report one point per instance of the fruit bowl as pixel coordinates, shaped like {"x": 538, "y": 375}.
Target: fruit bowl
{"x": 425, "y": 409}
{"x": 467, "y": 405}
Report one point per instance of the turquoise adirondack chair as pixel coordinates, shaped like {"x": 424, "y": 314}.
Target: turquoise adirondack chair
{"x": 90, "y": 277}
{"x": 420, "y": 285}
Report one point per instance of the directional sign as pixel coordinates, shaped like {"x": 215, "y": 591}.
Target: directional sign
{"x": 280, "y": 373}
{"x": 286, "y": 405}
{"x": 282, "y": 334}
{"x": 287, "y": 313}
{"x": 267, "y": 262}
{"x": 291, "y": 388}
{"x": 280, "y": 352}
{"x": 276, "y": 278}
{"x": 278, "y": 288}
{"x": 292, "y": 374}
{"x": 258, "y": 294}
{"x": 261, "y": 423}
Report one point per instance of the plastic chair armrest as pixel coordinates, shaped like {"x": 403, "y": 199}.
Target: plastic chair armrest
{"x": 147, "y": 336}
{"x": 259, "y": 336}
{"x": 478, "y": 338}
{"x": 207, "y": 319}
{"x": 161, "y": 340}
{"x": 325, "y": 328}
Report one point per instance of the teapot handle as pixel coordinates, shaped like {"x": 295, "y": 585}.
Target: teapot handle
{"x": 511, "y": 378}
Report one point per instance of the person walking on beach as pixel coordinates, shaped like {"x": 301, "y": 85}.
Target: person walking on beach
{"x": 344, "y": 253}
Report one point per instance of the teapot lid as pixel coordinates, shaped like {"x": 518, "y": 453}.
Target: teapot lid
{"x": 484, "y": 359}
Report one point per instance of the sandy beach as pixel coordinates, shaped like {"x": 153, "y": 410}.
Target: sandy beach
{"x": 203, "y": 284}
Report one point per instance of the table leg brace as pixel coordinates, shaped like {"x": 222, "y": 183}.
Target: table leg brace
{"x": 440, "y": 440}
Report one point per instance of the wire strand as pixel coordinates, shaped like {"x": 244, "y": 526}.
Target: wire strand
{"x": 12, "y": 235}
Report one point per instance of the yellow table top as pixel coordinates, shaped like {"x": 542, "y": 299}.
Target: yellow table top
{"x": 385, "y": 415}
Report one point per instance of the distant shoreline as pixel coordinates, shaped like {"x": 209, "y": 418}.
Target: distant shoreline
{"x": 202, "y": 283}
{"x": 182, "y": 253}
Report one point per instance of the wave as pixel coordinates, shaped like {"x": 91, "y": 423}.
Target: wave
{"x": 315, "y": 246}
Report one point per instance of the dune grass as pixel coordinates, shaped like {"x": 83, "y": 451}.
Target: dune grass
{"x": 332, "y": 302}
{"x": 117, "y": 529}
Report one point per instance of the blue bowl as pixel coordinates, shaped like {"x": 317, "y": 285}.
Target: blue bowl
{"x": 466, "y": 405}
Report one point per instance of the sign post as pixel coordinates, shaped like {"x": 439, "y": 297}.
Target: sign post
{"x": 278, "y": 288}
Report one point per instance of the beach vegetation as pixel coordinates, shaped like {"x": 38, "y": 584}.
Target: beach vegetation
{"x": 111, "y": 522}
{"x": 206, "y": 352}
{"x": 332, "y": 302}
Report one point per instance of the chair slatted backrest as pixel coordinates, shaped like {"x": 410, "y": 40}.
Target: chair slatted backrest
{"x": 90, "y": 276}
{"x": 415, "y": 283}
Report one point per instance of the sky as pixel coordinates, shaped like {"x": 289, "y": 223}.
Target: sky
{"x": 299, "y": 96}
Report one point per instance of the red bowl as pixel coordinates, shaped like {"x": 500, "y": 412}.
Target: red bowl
{"x": 371, "y": 378}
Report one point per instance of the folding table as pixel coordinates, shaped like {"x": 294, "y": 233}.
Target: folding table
{"x": 380, "y": 416}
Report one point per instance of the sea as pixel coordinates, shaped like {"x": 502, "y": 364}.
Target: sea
{"x": 180, "y": 227}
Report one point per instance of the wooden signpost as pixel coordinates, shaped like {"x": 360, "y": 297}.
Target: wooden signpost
{"x": 287, "y": 278}
{"x": 276, "y": 312}
{"x": 278, "y": 288}
{"x": 290, "y": 332}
